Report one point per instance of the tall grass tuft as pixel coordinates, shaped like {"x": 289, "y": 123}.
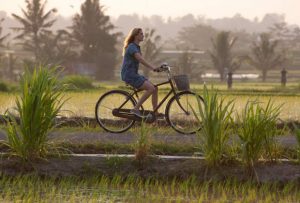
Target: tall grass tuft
{"x": 257, "y": 131}
{"x": 216, "y": 119}
{"x": 297, "y": 133}
{"x": 143, "y": 144}
{"x": 40, "y": 102}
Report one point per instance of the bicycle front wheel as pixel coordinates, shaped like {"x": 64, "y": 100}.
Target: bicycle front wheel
{"x": 180, "y": 114}
{"x": 104, "y": 107}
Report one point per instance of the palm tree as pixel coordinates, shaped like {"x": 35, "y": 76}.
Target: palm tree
{"x": 2, "y": 56}
{"x": 151, "y": 48}
{"x": 58, "y": 48}
{"x": 222, "y": 56}
{"x": 264, "y": 56}
{"x": 3, "y": 37}
{"x": 35, "y": 23}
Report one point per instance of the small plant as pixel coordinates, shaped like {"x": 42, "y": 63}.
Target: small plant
{"x": 143, "y": 144}
{"x": 77, "y": 82}
{"x": 38, "y": 105}
{"x": 257, "y": 131}
{"x": 297, "y": 132}
{"x": 216, "y": 119}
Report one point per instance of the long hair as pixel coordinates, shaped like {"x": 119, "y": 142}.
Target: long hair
{"x": 130, "y": 38}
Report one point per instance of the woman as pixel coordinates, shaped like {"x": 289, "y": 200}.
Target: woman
{"x": 129, "y": 73}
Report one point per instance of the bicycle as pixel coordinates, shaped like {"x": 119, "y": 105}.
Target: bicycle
{"x": 112, "y": 110}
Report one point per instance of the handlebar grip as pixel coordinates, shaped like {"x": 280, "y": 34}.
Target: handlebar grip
{"x": 162, "y": 68}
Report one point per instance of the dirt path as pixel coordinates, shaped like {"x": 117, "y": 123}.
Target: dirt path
{"x": 158, "y": 168}
{"x": 81, "y": 137}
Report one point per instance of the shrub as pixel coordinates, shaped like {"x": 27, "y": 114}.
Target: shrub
{"x": 75, "y": 82}
{"x": 3, "y": 87}
{"x": 257, "y": 130}
{"x": 38, "y": 105}
{"x": 216, "y": 118}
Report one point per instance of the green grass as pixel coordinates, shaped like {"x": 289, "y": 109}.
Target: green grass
{"x": 143, "y": 142}
{"x": 32, "y": 188}
{"x": 297, "y": 132}
{"x": 216, "y": 118}
{"x": 157, "y": 148}
{"x": 257, "y": 131}
{"x": 37, "y": 106}
{"x": 77, "y": 82}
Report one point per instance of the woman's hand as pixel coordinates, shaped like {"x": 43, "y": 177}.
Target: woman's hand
{"x": 161, "y": 68}
{"x": 157, "y": 69}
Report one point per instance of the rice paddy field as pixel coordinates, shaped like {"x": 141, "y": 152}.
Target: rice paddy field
{"x": 82, "y": 103}
{"x": 30, "y": 187}
{"x": 133, "y": 189}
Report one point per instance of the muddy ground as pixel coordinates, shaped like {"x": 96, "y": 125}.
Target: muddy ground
{"x": 284, "y": 171}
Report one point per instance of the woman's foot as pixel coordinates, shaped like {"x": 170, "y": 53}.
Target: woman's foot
{"x": 136, "y": 112}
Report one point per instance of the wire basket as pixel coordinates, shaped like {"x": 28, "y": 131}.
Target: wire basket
{"x": 182, "y": 82}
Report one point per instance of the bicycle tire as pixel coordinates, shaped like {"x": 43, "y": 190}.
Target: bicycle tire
{"x": 184, "y": 123}
{"x": 103, "y": 111}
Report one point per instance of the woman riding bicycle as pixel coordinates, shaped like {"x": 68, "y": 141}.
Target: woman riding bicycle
{"x": 131, "y": 58}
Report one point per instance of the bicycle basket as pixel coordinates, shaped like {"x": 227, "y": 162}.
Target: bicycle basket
{"x": 182, "y": 82}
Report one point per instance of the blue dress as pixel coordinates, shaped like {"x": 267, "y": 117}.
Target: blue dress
{"x": 130, "y": 66}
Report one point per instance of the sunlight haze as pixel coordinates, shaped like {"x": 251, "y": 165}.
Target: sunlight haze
{"x": 176, "y": 8}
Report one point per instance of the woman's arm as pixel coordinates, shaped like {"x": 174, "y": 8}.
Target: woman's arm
{"x": 139, "y": 57}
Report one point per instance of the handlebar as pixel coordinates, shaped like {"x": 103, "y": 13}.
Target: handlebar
{"x": 163, "y": 68}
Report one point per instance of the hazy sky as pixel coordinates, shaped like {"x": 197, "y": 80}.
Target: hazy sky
{"x": 174, "y": 8}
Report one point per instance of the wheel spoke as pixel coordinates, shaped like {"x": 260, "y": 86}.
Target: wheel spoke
{"x": 181, "y": 117}
{"x": 107, "y": 107}
{"x": 104, "y": 108}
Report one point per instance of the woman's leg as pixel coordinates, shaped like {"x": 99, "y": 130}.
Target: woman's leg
{"x": 149, "y": 89}
{"x": 155, "y": 98}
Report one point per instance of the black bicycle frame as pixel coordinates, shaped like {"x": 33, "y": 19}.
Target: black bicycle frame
{"x": 135, "y": 92}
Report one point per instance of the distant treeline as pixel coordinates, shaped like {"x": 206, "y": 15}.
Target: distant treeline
{"x": 90, "y": 42}
{"x": 169, "y": 28}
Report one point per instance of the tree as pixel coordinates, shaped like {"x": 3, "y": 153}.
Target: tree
{"x": 35, "y": 24}
{"x": 57, "y": 48}
{"x": 2, "y": 38}
{"x": 264, "y": 56}
{"x": 92, "y": 30}
{"x": 151, "y": 48}
{"x": 284, "y": 35}
{"x": 197, "y": 37}
{"x": 296, "y": 34}
{"x": 185, "y": 62}
{"x": 2, "y": 56}
{"x": 222, "y": 56}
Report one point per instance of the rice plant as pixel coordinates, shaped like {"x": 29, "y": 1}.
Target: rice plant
{"x": 143, "y": 144}
{"x": 297, "y": 134}
{"x": 135, "y": 189}
{"x": 38, "y": 105}
{"x": 257, "y": 130}
{"x": 216, "y": 119}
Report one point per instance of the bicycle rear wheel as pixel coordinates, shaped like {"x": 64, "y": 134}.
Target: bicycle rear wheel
{"x": 180, "y": 115}
{"x": 104, "y": 107}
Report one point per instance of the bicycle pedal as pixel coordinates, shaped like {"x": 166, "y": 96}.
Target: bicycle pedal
{"x": 149, "y": 118}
